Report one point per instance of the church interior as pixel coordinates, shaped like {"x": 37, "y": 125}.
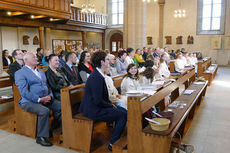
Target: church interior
{"x": 196, "y": 96}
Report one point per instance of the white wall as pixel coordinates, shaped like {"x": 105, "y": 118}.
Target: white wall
{"x": 31, "y": 32}
{"x": 188, "y": 26}
{"x": 94, "y": 38}
{"x": 184, "y": 27}
{"x": 152, "y": 23}
{"x": 12, "y": 38}
{"x": 9, "y": 38}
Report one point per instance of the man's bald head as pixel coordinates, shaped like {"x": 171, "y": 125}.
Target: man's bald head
{"x": 30, "y": 59}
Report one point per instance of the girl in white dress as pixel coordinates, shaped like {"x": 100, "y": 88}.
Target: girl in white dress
{"x": 131, "y": 80}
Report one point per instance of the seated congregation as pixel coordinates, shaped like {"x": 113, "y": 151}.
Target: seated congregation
{"x": 41, "y": 78}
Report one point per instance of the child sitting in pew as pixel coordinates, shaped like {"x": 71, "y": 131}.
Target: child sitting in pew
{"x": 131, "y": 80}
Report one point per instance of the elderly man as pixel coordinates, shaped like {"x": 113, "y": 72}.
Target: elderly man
{"x": 37, "y": 98}
{"x": 17, "y": 65}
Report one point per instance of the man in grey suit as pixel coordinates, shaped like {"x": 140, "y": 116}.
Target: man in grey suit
{"x": 37, "y": 97}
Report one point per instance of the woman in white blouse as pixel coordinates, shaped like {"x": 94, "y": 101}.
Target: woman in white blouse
{"x": 163, "y": 69}
{"x": 131, "y": 80}
{"x": 114, "y": 96}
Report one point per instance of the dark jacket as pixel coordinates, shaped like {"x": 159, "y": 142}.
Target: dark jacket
{"x": 83, "y": 71}
{"x": 95, "y": 97}
{"x": 5, "y": 62}
{"x": 70, "y": 76}
{"x": 40, "y": 57}
{"x": 55, "y": 82}
{"x": 13, "y": 68}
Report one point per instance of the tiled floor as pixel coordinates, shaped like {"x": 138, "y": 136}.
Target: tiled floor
{"x": 13, "y": 143}
{"x": 209, "y": 131}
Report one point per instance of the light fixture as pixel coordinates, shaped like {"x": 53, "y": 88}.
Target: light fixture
{"x": 9, "y": 13}
{"x": 88, "y": 8}
{"x": 51, "y": 19}
{"x": 148, "y": 1}
{"x": 32, "y": 16}
{"x": 180, "y": 13}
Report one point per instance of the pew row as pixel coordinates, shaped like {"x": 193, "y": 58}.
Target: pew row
{"x": 206, "y": 69}
{"x": 144, "y": 139}
{"x": 77, "y": 130}
{"x": 5, "y": 82}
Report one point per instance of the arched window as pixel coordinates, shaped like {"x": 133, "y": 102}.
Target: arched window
{"x": 117, "y": 11}
{"x": 211, "y": 16}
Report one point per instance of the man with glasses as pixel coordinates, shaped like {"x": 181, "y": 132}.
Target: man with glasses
{"x": 18, "y": 64}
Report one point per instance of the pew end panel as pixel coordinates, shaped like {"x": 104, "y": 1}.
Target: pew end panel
{"x": 77, "y": 129}
{"x": 26, "y": 123}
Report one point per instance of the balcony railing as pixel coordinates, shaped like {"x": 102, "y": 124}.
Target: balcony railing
{"x": 96, "y": 18}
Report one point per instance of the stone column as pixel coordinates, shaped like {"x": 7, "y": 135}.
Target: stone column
{"x": 41, "y": 37}
{"x": 161, "y": 23}
{"x": 134, "y": 24}
{"x": 83, "y": 35}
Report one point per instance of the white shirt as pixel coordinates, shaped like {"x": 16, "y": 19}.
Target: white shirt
{"x": 35, "y": 71}
{"x": 8, "y": 61}
{"x": 100, "y": 71}
{"x": 129, "y": 84}
{"x": 179, "y": 65}
{"x": 111, "y": 89}
{"x": 164, "y": 70}
{"x": 128, "y": 60}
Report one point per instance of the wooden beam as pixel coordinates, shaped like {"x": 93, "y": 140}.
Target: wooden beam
{"x": 10, "y": 21}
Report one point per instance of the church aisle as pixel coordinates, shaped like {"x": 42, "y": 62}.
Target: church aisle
{"x": 13, "y": 143}
{"x": 209, "y": 131}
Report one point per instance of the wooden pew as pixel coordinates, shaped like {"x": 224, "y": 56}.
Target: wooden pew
{"x": 77, "y": 130}
{"x": 172, "y": 66}
{"x": 26, "y": 123}
{"x": 5, "y": 81}
{"x": 206, "y": 69}
{"x": 144, "y": 139}
{"x": 6, "y": 69}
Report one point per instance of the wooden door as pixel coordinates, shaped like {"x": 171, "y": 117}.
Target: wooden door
{"x": 116, "y": 42}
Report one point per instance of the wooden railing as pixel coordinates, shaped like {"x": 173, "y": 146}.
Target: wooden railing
{"x": 95, "y": 18}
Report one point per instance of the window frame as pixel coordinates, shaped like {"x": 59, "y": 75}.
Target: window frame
{"x": 117, "y": 14}
{"x": 200, "y": 19}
